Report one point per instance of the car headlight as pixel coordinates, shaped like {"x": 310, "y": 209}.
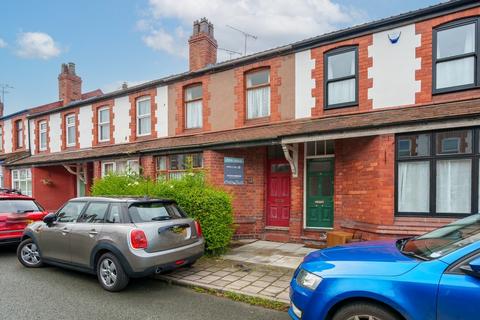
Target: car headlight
{"x": 308, "y": 280}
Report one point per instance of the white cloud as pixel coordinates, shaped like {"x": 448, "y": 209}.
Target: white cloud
{"x": 37, "y": 45}
{"x": 3, "y": 44}
{"x": 275, "y": 22}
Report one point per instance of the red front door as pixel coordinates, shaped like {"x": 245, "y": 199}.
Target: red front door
{"x": 278, "y": 194}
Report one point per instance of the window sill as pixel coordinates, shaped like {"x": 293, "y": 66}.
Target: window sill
{"x": 259, "y": 120}
{"x": 193, "y": 130}
{"x": 340, "y": 106}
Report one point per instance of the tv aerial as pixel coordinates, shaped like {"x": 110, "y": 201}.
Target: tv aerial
{"x": 231, "y": 53}
{"x": 4, "y": 89}
{"x": 246, "y": 35}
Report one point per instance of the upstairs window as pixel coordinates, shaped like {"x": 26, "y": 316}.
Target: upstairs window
{"x": 341, "y": 77}
{"x": 71, "y": 130}
{"x": 42, "y": 135}
{"x": 258, "y": 94}
{"x": 104, "y": 124}
{"x": 19, "y": 133}
{"x": 193, "y": 107}
{"x": 455, "y": 56}
{"x": 1, "y": 138}
{"x": 143, "y": 116}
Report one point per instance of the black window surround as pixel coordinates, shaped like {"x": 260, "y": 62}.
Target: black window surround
{"x": 475, "y": 54}
{"x": 327, "y": 81}
{"x": 432, "y": 158}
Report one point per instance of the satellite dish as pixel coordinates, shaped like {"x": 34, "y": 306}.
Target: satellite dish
{"x": 394, "y": 36}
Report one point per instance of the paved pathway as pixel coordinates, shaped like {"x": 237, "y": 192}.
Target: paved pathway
{"x": 260, "y": 268}
{"x": 244, "y": 278}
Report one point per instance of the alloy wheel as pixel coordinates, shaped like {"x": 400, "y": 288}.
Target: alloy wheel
{"x": 108, "y": 272}
{"x": 30, "y": 254}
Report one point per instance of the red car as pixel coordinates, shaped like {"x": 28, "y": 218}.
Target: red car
{"x": 16, "y": 212}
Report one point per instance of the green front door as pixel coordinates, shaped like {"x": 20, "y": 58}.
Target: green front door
{"x": 320, "y": 193}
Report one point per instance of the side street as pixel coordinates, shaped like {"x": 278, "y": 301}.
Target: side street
{"x": 307, "y": 160}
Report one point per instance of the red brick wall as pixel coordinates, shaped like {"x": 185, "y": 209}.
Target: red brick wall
{"x": 364, "y": 83}
{"x": 62, "y": 188}
{"x": 364, "y": 180}
{"x": 180, "y": 105}
{"x": 249, "y": 198}
{"x": 240, "y": 92}
{"x": 424, "y": 52}
{"x": 202, "y": 51}
{"x": 148, "y": 167}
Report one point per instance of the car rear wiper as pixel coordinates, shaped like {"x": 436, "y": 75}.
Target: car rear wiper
{"x": 161, "y": 218}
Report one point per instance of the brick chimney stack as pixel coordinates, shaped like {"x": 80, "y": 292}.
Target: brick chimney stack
{"x": 69, "y": 84}
{"x": 202, "y": 45}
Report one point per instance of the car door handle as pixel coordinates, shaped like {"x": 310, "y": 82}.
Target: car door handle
{"x": 93, "y": 233}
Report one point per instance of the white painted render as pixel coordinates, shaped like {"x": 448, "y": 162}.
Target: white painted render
{"x": 393, "y": 70}
{"x": 304, "y": 83}
{"x": 85, "y": 122}
{"x": 162, "y": 111}
{"x": 7, "y": 136}
{"x": 121, "y": 120}
{"x": 26, "y": 140}
{"x": 32, "y": 136}
{"x": 55, "y": 126}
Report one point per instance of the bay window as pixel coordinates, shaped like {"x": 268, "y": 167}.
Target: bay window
{"x": 42, "y": 135}
{"x": 103, "y": 124}
{"x": 455, "y": 56}
{"x": 22, "y": 181}
{"x": 71, "y": 130}
{"x": 341, "y": 77}
{"x": 193, "y": 107}
{"x": 176, "y": 166}
{"x": 258, "y": 94}
{"x": 437, "y": 173}
{"x": 144, "y": 116}
{"x": 120, "y": 167}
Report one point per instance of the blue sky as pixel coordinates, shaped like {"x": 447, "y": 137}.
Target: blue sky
{"x": 112, "y": 41}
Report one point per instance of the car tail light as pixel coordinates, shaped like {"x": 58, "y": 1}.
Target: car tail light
{"x": 198, "y": 227}
{"x": 138, "y": 239}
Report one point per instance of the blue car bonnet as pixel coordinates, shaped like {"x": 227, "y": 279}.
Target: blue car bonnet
{"x": 376, "y": 258}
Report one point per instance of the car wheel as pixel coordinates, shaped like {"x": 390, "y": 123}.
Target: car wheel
{"x": 364, "y": 311}
{"x": 29, "y": 255}
{"x": 110, "y": 273}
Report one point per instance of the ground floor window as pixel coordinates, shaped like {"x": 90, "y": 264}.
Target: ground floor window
{"x": 120, "y": 167}
{"x": 175, "y": 166}
{"x": 437, "y": 172}
{"x": 22, "y": 180}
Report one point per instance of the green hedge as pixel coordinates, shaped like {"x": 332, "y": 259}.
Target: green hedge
{"x": 211, "y": 206}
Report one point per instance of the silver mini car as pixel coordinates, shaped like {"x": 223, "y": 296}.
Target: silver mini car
{"x": 114, "y": 238}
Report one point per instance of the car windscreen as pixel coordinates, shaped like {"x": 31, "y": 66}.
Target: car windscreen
{"x": 444, "y": 240}
{"x": 18, "y": 206}
{"x": 154, "y": 211}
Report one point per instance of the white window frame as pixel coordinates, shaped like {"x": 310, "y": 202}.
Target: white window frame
{"x": 191, "y": 102}
{"x": 103, "y": 124}
{"x": 105, "y": 163}
{"x": 69, "y": 125}
{"x": 254, "y": 88}
{"x": 143, "y": 116}
{"x": 42, "y": 145}
{"x": 16, "y": 179}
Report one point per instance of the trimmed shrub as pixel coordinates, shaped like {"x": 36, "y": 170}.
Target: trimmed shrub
{"x": 211, "y": 206}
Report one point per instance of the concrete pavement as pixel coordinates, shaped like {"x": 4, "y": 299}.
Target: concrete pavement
{"x": 54, "y": 293}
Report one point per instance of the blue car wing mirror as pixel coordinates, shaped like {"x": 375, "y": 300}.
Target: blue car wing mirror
{"x": 473, "y": 268}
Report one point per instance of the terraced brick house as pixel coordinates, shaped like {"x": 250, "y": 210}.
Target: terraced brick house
{"x": 372, "y": 129}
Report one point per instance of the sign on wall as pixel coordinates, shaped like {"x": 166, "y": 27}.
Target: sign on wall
{"x": 233, "y": 170}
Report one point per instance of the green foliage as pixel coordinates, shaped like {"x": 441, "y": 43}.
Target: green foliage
{"x": 211, "y": 206}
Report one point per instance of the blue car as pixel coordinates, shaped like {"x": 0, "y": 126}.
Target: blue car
{"x": 434, "y": 276}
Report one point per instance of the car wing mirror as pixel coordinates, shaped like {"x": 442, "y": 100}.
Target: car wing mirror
{"x": 473, "y": 268}
{"x": 49, "y": 219}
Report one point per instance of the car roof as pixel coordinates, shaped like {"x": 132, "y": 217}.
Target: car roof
{"x": 12, "y": 194}
{"x": 124, "y": 199}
